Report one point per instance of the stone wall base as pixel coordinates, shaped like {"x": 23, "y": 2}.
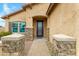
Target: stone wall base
{"x": 13, "y": 48}
{"x": 29, "y": 34}
{"x": 62, "y": 48}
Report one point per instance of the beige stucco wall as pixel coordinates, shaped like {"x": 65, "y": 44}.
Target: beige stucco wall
{"x": 36, "y": 10}
{"x": 28, "y": 14}
{"x": 17, "y": 17}
{"x": 77, "y": 28}
{"x": 64, "y": 20}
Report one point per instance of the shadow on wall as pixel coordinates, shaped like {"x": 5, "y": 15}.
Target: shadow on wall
{"x": 53, "y": 8}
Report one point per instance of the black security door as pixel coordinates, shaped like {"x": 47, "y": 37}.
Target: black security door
{"x": 40, "y": 28}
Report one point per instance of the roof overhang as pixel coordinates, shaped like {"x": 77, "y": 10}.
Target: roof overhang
{"x": 21, "y": 10}
{"x": 11, "y": 14}
{"x": 51, "y": 7}
{"x": 24, "y": 8}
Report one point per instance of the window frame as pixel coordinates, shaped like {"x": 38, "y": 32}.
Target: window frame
{"x": 18, "y": 26}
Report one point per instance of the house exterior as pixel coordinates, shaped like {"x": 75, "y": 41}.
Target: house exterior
{"x": 28, "y": 18}
{"x": 45, "y": 20}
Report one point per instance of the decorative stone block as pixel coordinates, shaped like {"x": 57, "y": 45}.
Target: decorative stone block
{"x": 63, "y": 45}
{"x": 29, "y": 34}
{"x": 13, "y": 44}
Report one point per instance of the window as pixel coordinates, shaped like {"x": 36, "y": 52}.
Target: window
{"x": 15, "y": 27}
{"x": 18, "y": 26}
{"x": 22, "y": 26}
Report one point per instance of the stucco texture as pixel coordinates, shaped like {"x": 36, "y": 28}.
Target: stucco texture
{"x": 64, "y": 20}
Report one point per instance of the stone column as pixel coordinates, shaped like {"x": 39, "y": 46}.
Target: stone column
{"x": 64, "y": 45}
{"x": 29, "y": 28}
{"x": 13, "y": 45}
{"x": 29, "y": 33}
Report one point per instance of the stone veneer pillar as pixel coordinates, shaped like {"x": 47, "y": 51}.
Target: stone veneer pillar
{"x": 63, "y": 45}
{"x": 29, "y": 34}
{"x": 13, "y": 45}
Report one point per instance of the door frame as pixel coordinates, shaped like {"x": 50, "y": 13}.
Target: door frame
{"x": 39, "y": 18}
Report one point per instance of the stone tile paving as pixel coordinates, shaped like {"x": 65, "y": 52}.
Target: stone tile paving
{"x": 39, "y": 48}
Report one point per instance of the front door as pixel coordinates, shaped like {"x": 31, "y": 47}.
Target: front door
{"x": 40, "y": 28}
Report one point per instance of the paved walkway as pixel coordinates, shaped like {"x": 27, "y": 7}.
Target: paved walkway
{"x": 39, "y": 48}
{"x": 27, "y": 46}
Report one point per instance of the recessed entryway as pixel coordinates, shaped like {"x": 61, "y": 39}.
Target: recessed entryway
{"x": 39, "y": 26}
